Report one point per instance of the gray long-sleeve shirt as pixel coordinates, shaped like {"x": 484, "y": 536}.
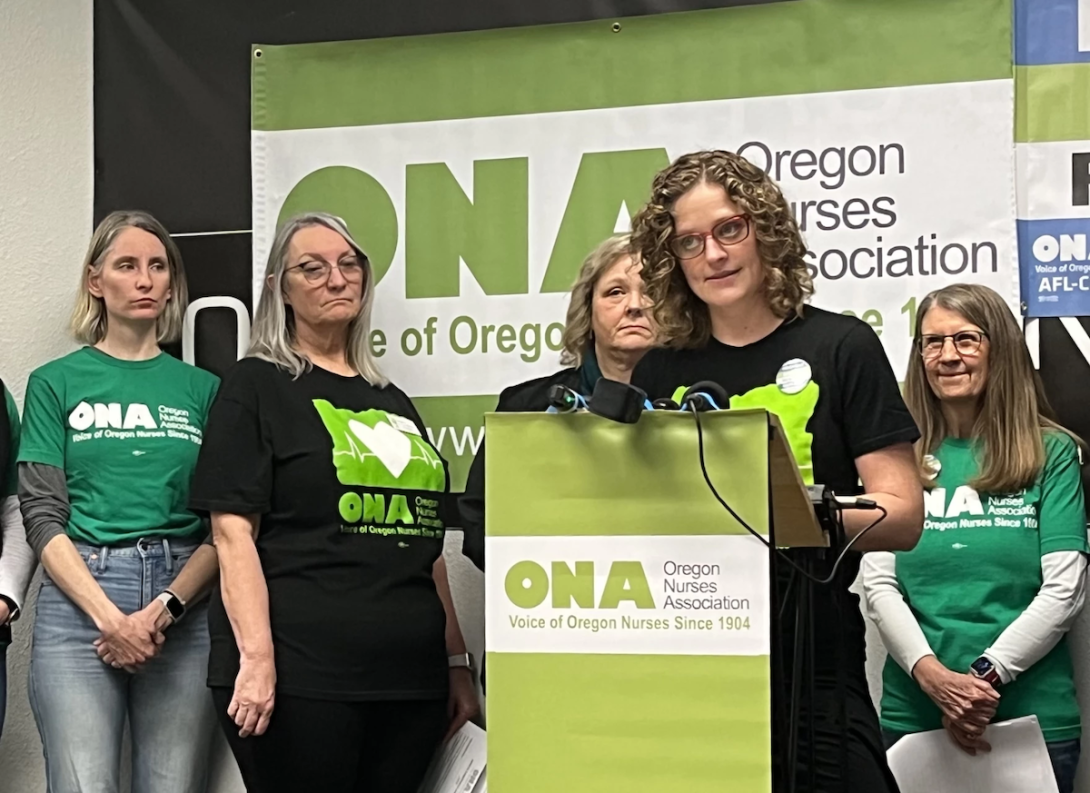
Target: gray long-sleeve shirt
{"x": 43, "y": 500}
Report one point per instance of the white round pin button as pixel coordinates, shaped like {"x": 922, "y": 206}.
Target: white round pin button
{"x": 794, "y": 376}
{"x": 933, "y": 465}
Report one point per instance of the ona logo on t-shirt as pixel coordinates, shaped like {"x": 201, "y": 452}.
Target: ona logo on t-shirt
{"x": 374, "y": 448}
{"x": 103, "y": 416}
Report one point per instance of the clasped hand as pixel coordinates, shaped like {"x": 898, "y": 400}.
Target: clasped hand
{"x": 128, "y": 640}
{"x": 968, "y": 704}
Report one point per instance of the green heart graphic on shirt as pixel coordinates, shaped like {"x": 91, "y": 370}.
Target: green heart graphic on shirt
{"x": 370, "y": 451}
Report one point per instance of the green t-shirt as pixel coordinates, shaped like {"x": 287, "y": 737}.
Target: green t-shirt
{"x": 10, "y": 487}
{"x": 126, "y": 434}
{"x": 976, "y": 569}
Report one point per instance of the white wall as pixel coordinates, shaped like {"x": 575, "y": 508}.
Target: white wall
{"x": 46, "y": 184}
{"x": 45, "y": 216}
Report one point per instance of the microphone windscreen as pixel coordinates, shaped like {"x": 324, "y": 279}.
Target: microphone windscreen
{"x": 712, "y": 389}
{"x": 617, "y": 401}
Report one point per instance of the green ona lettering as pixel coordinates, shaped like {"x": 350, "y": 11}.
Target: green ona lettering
{"x": 527, "y": 585}
{"x": 577, "y": 585}
{"x": 351, "y": 507}
{"x": 489, "y": 232}
{"x": 399, "y": 510}
{"x": 606, "y": 182}
{"x": 374, "y": 508}
{"x": 371, "y": 508}
{"x": 626, "y": 581}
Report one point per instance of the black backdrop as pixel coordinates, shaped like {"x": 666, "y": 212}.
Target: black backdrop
{"x": 172, "y": 127}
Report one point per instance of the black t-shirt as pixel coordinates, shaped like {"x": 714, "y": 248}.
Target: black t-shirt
{"x": 349, "y": 491}
{"x": 829, "y": 381}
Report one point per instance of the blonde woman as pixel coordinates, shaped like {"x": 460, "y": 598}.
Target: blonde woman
{"x": 110, "y": 438}
{"x": 608, "y": 331}
{"x": 337, "y": 662}
{"x": 976, "y": 617}
{"x": 724, "y": 262}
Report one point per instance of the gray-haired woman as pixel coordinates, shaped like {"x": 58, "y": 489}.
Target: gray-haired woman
{"x": 607, "y": 332}
{"x": 325, "y": 497}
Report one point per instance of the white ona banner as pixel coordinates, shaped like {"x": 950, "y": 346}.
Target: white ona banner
{"x": 899, "y": 191}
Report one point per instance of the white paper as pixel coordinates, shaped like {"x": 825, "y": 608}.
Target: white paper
{"x": 929, "y": 762}
{"x": 459, "y": 766}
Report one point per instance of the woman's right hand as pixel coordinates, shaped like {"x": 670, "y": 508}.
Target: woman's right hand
{"x": 967, "y": 701}
{"x": 255, "y": 693}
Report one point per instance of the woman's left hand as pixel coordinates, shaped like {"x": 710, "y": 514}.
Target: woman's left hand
{"x": 462, "y": 704}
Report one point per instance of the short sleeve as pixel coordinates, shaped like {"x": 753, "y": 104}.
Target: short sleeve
{"x": 874, "y": 414}
{"x": 11, "y": 486}
{"x": 43, "y": 431}
{"x": 1061, "y": 513}
{"x": 234, "y": 468}
{"x": 211, "y": 389}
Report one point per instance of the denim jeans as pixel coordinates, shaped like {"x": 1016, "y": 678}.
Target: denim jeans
{"x": 81, "y": 704}
{"x": 1063, "y": 754}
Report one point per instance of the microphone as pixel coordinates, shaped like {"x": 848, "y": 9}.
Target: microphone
{"x": 705, "y": 395}
{"x": 617, "y": 401}
{"x": 665, "y": 403}
{"x": 564, "y": 400}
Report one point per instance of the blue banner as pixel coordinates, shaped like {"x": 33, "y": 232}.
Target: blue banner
{"x": 1055, "y": 267}
{"x": 1048, "y": 31}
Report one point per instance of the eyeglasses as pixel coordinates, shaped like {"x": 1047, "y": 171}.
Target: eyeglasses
{"x": 966, "y": 342}
{"x": 316, "y": 271}
{"x": 726, "y": 232}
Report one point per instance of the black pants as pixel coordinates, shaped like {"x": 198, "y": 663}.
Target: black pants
{"x": 337, "y": 747}
{"x": 848, "y": 757}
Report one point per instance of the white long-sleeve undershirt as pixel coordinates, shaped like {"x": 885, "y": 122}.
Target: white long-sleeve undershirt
{"x": 1022, "y": 644}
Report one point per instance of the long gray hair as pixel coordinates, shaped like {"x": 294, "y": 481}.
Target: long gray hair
{"x": 272, "y": 337}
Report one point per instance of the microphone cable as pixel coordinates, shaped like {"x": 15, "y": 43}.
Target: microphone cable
{"x": 860, "y": 504}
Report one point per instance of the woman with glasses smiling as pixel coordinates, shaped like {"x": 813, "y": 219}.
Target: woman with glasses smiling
{"x": 337, "y": 662}
{"x": 725, "y": 266}
{"x": 975, "y": 618}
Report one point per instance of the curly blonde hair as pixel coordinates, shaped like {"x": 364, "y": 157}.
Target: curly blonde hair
{"x": 682, "y": 317}
{"x": 578, "y": 329}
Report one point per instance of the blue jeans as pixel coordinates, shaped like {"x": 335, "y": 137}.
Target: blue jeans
{"x": 81, "y": 703}
{"x": 1063, "y": 754}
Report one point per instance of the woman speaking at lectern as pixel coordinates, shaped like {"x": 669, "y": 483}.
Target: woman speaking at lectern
{"x": 724, "y": 263}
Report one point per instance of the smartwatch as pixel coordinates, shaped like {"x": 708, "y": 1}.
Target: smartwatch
{"x": 173, "y": 604}
{"x": 985, "y": 670}
{"x": 461, "y": 661}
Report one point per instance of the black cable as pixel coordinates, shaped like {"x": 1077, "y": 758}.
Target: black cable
{"x": 840, "y": 558}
